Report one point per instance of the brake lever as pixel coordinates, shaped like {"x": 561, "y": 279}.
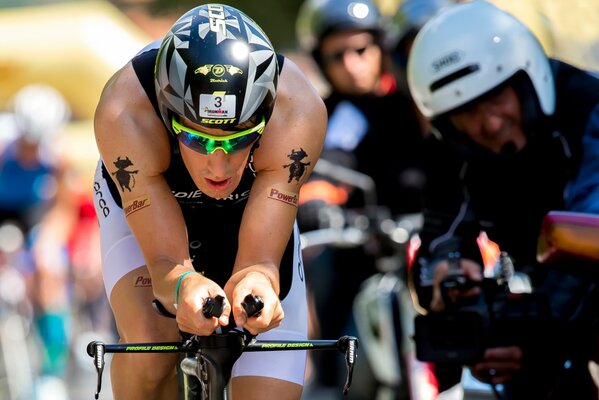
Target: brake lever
{"x": 349, "y": 345}
{"x": 97, "y": 351}
{"x": 252, "y": 305}
{"x": 213, "y": 306}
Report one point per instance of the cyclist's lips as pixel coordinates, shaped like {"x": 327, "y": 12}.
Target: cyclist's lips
{"x": 218, "y": 184}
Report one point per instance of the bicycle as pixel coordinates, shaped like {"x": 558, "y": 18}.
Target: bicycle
{"x": 210, "y": 359}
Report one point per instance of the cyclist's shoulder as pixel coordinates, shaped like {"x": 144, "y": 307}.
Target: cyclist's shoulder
{"x": 128, "y": 73}
{"x": 125, "y": 121}
{"x": 124, "y": 99}
{"x": 298, "y": 120}
{"x": 295, "y": 88}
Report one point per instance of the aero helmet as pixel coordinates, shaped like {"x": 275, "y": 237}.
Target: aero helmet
{"x": 318, "y": 18}
{"x": 469, "y": 49}
{"x": 40, "y": 111}
{"x": 217, "y": 68}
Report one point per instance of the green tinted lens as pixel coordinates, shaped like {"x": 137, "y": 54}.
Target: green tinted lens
{"x": 205, "y": 143}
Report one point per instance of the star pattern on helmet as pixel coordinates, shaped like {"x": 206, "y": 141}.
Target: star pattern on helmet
{"x": 230, "y": 22}
{"x": 255, "y": 94}
{"x": 260, "y": 52}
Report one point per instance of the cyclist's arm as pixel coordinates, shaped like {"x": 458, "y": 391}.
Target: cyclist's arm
{"x": 127, "y": 128}
{"x": 298, "y": 127}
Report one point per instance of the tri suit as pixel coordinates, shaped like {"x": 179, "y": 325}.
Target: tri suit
{"x": 213, "y": 229}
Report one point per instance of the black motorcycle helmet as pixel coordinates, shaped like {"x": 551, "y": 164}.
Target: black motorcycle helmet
{"x": 217, "y": 68}
{"x": 319, "y": 18}
{"x": 409, "y": 18}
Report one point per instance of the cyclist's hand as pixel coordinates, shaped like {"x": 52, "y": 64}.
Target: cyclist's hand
{"x": 499, "y": 365}
{"x": 470, "y": 269}
{"x": 257, "y": 284}
{"x": 194, "y": 291}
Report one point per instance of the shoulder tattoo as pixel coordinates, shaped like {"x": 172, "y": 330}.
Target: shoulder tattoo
{"x": 297, "y": 168}
{"x": 125, "y": 177}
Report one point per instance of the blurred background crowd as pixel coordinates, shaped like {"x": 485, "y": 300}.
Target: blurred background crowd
{"x": 55, "y": 57}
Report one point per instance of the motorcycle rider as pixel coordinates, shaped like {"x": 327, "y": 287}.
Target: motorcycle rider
{"x": 346, "y": 40}
{"x": 515, "y": 136}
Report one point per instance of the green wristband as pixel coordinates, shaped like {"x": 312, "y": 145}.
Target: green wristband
{"x": 183, "y": 275}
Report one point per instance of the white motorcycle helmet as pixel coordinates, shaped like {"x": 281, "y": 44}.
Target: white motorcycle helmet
{"x": 40, "y": 112}
{"x": 468, "y": 50}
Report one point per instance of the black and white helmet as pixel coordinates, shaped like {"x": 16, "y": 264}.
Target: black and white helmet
{"x": 217, "y": 68}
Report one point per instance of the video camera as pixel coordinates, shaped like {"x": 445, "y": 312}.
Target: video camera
{"x": 497, "y": 317}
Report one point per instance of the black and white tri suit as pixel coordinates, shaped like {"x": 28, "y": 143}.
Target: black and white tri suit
{"x": 213, "y": 228}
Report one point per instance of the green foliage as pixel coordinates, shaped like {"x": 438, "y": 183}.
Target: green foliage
{"x": 276, "y": 17}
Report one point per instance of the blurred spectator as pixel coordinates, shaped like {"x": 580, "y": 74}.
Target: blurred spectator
{"x": 33, "y": 195}
{"x": 372, "y": 129}
{"x": 28, "y": 166}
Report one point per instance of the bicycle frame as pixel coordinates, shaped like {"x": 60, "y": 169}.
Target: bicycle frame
{"x": 215, "y": 355}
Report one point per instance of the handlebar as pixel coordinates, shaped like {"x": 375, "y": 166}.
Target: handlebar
{"x": 233, "y": 342}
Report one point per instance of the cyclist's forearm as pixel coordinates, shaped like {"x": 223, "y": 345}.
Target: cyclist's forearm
{"x": 166, "y": 274}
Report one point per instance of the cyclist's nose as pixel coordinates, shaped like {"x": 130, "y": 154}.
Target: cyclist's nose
{"x": 218, "y": 164}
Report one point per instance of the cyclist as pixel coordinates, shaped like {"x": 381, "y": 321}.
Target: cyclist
{"x": 515, "y": 135}
{"x": 205, "y": 140}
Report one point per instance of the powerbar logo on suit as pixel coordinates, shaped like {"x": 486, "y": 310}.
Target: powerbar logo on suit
{"x": 281, "y": 195}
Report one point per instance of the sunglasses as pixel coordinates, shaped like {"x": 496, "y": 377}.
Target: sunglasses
{"x": 337, "y": 56}
{"x": 205, "y": 143}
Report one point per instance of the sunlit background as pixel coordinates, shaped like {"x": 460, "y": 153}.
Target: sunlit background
{"x": 77, "y": 45}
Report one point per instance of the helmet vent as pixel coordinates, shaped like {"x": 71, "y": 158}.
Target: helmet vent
{"x": 454, "y": 76}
